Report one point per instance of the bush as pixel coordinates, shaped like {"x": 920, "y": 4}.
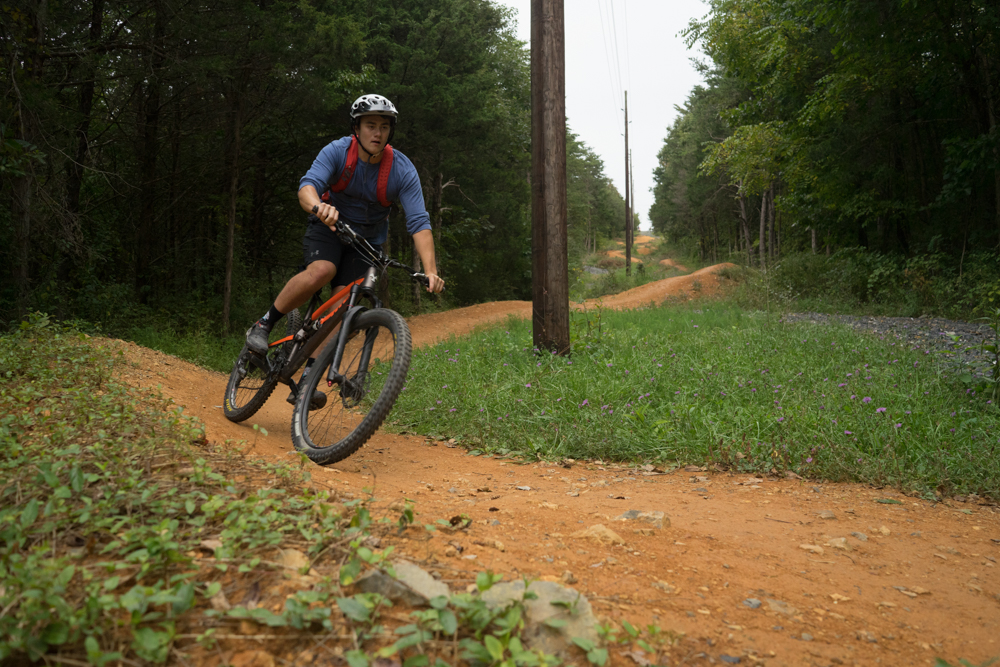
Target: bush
{"x": 857, "y": 280}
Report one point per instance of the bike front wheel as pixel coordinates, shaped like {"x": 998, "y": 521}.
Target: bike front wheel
{"x": 373, "y": 367}
{"x": 252, "y": 379}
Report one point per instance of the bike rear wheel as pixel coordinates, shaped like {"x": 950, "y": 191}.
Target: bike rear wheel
{"x": 250, "y": 385}
{"x": 375, "y": 362}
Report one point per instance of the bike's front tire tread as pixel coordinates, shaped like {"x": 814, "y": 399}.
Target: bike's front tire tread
{"x": 328, "y": 454}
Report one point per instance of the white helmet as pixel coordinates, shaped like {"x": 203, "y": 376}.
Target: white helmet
{"x": 373, "y": 105}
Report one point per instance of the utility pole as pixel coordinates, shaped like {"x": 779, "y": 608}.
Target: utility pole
{"x": 549, "y": 261}
{"x": 628, "y": 200}
{"x": 631, "y": 207}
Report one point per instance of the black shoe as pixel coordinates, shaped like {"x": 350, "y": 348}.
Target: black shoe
{"x": 317, "y": 401}
{"x": 257, "y": 338}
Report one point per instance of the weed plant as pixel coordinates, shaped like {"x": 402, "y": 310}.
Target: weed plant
{"x": 717, "y": 385}
{"x": 123, "y": 537}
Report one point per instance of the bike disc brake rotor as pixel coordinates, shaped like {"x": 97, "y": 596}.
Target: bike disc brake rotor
{"x": 338, "y": 418}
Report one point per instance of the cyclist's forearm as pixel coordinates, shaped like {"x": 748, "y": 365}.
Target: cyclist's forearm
{"x": 423, "y": 241}
{"x": 308, "y": 198}
{"x": 309, "y": 201}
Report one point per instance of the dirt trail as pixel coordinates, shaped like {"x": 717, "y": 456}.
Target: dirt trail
{"x": 842, "y": 574}
{"x": 640, "y": 246}
{"x": 671, "y": 264}
{"x": 620, "y": 254}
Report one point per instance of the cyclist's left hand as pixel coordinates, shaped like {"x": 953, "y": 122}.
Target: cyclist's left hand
{"x": 436, "y": 284}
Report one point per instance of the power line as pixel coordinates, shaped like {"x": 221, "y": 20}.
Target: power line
{"x": 614, "y": 26}
{"x": 615, "y": 91}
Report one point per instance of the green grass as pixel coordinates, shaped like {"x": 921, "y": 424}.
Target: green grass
{"x": 713, "y": 385}
{"x": 206, "y": 349}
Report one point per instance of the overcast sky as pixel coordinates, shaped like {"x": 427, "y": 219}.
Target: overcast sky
{"x": 651, "y": 62}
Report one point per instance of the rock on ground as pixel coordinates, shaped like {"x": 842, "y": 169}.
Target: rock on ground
{"x": 600, "y": 534}
{"x": 413, "y": 585}
{"x": 537, "y": 635}
{"x": 653, "y": 519}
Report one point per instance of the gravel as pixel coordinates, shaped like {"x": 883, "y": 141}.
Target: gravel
{"x": 931, "y": 334}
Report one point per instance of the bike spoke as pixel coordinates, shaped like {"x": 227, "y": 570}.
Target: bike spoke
{"x": 346, "y": 404}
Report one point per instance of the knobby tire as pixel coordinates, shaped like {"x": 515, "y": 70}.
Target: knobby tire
{"x": 249, "y": 387}
{"x": 337, "y": 430}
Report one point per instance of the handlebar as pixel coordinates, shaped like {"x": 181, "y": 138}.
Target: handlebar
{"x": 350, "y": 237}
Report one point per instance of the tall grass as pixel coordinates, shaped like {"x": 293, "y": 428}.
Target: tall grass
{"x": 859, "y": 281}
{"x": 713, "y": 385}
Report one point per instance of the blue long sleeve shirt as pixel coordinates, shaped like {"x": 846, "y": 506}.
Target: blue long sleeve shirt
{"x": 358, "y": 202}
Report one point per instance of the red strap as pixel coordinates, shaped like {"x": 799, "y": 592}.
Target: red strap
{"x": 384, "y": 167}
{"x": 351, "y": 163}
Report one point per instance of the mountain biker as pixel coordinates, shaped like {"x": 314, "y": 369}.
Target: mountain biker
{"x": 373, "y": 122}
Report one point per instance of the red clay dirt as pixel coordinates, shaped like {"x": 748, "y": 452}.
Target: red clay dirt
{"x": 671, "y": 264}
{"x": 620, "y": 254}
{"x": 844, "y": 574}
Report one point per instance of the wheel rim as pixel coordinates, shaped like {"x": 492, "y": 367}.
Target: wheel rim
{"x": 346, "y": 405}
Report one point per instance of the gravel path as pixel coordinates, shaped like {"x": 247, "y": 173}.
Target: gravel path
{"x": 923, "y": 333}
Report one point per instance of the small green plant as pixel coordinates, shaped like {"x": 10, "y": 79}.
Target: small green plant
{"x": 993, "y": 348}
{"x": 653, "y": 641}
{"x": 962, "y": 662}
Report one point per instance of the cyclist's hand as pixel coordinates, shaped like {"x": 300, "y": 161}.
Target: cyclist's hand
{"x": 436, "y": 284}
{"x": 327, "y": 214}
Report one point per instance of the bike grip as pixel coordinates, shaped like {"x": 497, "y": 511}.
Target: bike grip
{"x": 424, "y": 280}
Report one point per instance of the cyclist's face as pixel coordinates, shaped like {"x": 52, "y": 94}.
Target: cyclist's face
{"x": 373, "y": 131}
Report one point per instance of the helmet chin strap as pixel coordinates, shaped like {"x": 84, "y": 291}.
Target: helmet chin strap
{"x": 354, "y": 132}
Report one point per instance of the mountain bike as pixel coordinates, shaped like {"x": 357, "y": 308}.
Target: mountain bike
{"x": 363, "y": 367}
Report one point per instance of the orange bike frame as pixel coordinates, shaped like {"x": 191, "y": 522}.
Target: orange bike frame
{"x": 336, "y": 298}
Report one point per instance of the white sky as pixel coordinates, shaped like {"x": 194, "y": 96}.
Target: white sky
{"x": 654, "y": 66}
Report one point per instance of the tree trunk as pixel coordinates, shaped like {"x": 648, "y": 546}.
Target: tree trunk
{"x": 813, "y": 230}
{"x": 21, "y": 218}
{"x": 146, "y": 224}
{"x": 234, "y": 177}
{"x": 763, "y": 230}
{"x": 182, "y": 279}
{"x": 437, "y": 195}
{"x": 775, "y": 232}
{"x": 415, "y": 263}
{"x": 74, "y": 179}
{"x": 746, "y": 227}
{"x": 991, "y": 102}
{"x": 22, "y": 186}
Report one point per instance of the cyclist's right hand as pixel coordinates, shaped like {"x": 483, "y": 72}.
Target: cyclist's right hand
{"x": 327, "y": 214}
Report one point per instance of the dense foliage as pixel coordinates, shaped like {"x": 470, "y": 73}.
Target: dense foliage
{"x": 829, "y": 124}
{"x": 151, "y": 151}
